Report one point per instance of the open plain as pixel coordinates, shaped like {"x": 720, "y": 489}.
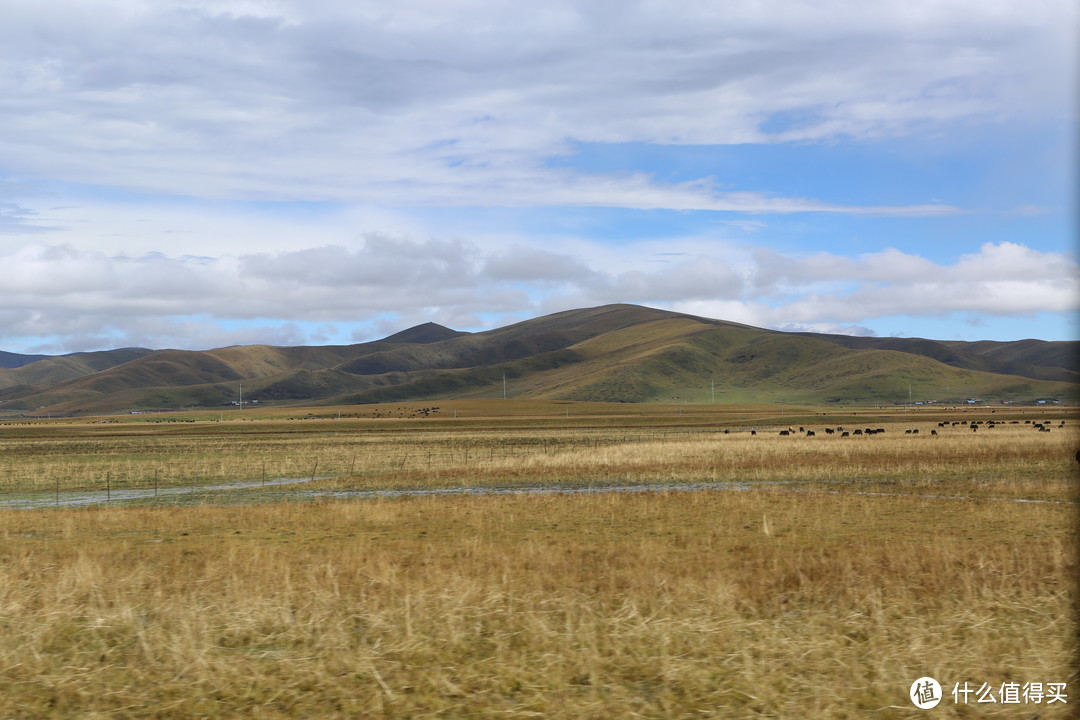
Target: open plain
{"x": 577, "y": 561}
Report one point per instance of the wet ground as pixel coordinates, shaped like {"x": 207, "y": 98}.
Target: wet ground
{"x": 234, "y": 493}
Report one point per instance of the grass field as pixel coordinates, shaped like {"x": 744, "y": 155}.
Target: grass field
{"x": 845, "y": 569}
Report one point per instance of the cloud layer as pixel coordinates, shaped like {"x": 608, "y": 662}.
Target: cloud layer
{"x": 422, "y": 102}
{"x": 155, "y": 300}
{"x": 192, "y": 173}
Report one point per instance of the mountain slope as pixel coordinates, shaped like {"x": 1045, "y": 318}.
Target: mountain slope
{"x": 678, "y": 359}
{"x": 1036, "y": 359}
{"x": 615, "y": 352}
{"x": 427, "y": 333}
{"x": 14, "y": 360}
{"x": 49, "y": 370}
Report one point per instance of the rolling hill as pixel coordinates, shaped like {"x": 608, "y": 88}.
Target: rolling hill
{"x": 14, "y": 360}
{"x": 611, "y": 353}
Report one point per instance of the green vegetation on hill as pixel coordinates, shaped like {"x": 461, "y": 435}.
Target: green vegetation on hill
{"x": 46, "y": 371}
{"x": 614, "y": 353}
{"x": 1035, "y": 359}
{"x": 15, "y": 360}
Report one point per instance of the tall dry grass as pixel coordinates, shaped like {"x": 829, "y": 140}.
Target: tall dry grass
{"x": 671, "y": 605}
{"x": 800, "y": 598}
{"x": 367, "y": 454}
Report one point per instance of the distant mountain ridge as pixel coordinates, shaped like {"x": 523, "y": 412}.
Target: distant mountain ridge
{"x": 1037, "y": 359}
{"x": 43, "y": 370}
{"x": 10, "y": 360}
{"x": 614, "y": 353}
{"x": 428, "y": 332}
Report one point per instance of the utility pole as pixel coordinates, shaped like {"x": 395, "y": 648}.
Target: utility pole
{"x": 504, "y": 386}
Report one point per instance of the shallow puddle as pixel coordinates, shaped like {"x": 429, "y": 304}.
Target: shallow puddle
{"x": 99, "y": 497}
{"x": 95, "y": 497}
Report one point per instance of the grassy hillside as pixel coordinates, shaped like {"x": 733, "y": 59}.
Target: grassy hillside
{"x": 1036, "y": 359}
{"x": 683, "y": 359}
{"x": 731, "y": 364}
{"x": 614, "y": 353}
{"x": 47, "y": 371}
{"x": 15, "y": 360}
{"x": 1051, "y": 355}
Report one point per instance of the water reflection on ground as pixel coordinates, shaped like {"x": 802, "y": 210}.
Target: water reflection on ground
{"x": 227, "y": 493}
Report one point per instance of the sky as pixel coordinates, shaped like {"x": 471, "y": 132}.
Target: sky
{"x": 202, "y": 173}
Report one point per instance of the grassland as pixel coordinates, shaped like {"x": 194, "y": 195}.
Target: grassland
{"x": 846, "y": 569}
{"x": 488, "y": 443}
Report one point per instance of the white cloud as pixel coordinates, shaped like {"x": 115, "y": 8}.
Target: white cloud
{"x": 524, "y": 264}
{"x": 776, "y": 271}
{"x": 196, "y": 301}
{"x": 1012, "y": 262}
{"x": 355, "y": 126}
{"x": 829, "y": 329}
{"x": 424, "y": 102}
{"x": 18, "y": 220}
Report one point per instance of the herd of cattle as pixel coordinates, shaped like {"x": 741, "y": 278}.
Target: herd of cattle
{"x": 1040, "y": 426}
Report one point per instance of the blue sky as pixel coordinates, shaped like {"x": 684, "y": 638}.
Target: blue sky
{"x": 188, "y": 173}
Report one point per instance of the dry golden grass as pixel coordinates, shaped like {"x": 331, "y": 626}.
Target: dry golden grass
{"x": 808, "y": 597}
{"x": 599, "y": 606}
{"x": 597, "y": 449}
